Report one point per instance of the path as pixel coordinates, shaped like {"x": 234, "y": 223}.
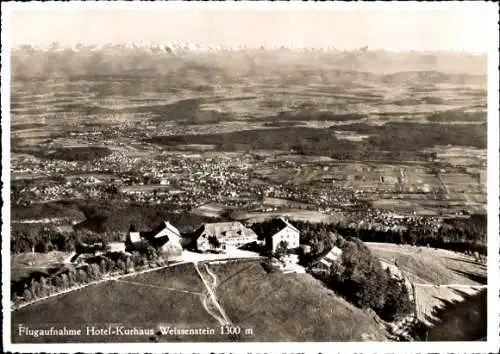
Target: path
{"x": 214, "y": 286}
{"x": 157, "y": 287}
{"x": 224, "y": 320}
{"x": 458, "y": 286}
{"x": 210, "y": 305}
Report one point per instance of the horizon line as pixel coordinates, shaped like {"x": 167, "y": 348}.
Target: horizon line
{"x": 193, "y": 45}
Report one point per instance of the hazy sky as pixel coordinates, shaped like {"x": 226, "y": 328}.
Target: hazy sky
{"x": 464, "y": 28}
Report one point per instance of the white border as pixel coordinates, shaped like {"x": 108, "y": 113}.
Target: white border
{"x": 5, "y": 86}
{"x": 491, "y": 345}
{"x": 248, "y": 5}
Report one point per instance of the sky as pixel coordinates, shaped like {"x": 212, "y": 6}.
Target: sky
{"x": 397, "y": 28}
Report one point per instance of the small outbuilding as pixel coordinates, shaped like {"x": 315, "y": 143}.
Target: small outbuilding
{"x": 166, "y": 238}
{"x": 324, "y": 262}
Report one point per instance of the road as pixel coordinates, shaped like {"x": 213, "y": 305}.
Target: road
{"x": 455, "y": 286}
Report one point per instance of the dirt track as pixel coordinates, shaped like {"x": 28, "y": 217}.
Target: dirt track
{"x": 210, "y": 301}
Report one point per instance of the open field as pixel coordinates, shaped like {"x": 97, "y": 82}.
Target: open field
{"x": 311, "y": 141}
{"x": 280, "y": 202}
{"x": 361, "y": 105}
{"x": 293, "y": 214}
{"x": 173, "y": 297}
{"x": 289, "y": 307}
{"x": 449, "y": 289}
{"x": 179, "y": 277}
{"x": 462, "y": 320}
{"x": 22, "y": 264}
{"x": 210, "y": 210}
{"x": 432, "y": 266}
{"x": 432, "y": 301}
{"x": 146, "y": 301}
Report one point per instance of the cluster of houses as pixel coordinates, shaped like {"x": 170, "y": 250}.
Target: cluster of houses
{"x": 221, "y": 237}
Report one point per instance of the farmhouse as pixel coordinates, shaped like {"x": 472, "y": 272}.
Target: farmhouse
{"x": 324, "y": 263}
{"x": 223, "y": 235}
{"x": 287, "y": 233}
{"x": 334, "y": 255}
{"x": 165, "y": 238}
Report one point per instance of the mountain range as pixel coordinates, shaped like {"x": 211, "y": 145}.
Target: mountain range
{"x": 163, "y": 59}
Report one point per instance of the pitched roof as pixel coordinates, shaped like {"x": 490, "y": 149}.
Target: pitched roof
{"x": 328, "y": 256}
{"x": 172, "y": 228}
{"x": 334, "y": 254}
{"x": 287, "y": 224}
{"x": 162, "y": 226}
{"x": 227, "y": 230}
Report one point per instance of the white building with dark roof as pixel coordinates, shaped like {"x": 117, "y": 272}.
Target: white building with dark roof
{"x": 288, "y": 234}
{"x": 165, "y": 238}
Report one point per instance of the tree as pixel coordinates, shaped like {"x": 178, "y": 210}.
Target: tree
{"x": 397, "y": 300}
{"x": 71, "y": 277}
{"x": 151, "y": 253}
{"x": 81, "y": 276}
{"x": 35, "y": 288}
{"x": 27, "y": 295}
{"x": 336, "y": 270}
{"x": 360, "y": 277}
{"x": 110, "y": 265}
{"x": 102, "y": 266}
{"x": 70, "y": 245}
{"x": 213, "y": 242}
{"x": 91, "y": 273}
{"x": 138, "y": 259}
{"x": 65, "y": 280}
{"x": 33, "y": 237}
{"x": 281, "y": 250}
{"x": 96, "y": 270}
{"x": 121, "y": 266}
{"x": 129, "y": 265}
{"x": 58, "y": 282}
{"x": 44, "y": 290}
{"x": 41, "y": 247}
